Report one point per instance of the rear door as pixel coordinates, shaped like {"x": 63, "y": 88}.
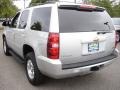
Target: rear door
{"x": 85, "y": 34}
{"x": 20, "y": 33}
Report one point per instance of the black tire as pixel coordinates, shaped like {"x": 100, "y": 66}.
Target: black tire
{"x": 119, "y": 36}
{"x": 38, "y": 77}
{"x": 5, "y": 47}
{"x": 118, "y": 33}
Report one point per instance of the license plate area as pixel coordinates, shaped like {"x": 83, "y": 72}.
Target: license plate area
{"x": 93, "y": 47}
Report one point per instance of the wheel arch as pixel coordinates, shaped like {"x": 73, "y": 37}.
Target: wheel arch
{"x": 26, "y": 49}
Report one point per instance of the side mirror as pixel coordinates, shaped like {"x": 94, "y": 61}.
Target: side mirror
{"x": 6, "y": 23}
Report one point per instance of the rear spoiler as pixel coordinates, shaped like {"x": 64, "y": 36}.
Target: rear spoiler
{"x": 82, "y": 7}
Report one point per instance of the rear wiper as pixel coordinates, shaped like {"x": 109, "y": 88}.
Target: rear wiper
{"x": 107, "y": 24}
{"x": 103, "y": 32}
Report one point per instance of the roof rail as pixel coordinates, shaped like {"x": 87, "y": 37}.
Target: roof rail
{"x": 47, "y": 2}
{"x": 51, "y": 1}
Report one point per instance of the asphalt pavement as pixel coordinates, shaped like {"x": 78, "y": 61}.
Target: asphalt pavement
{"x": 0, "y": 24}
{"x": 13, "y": 77}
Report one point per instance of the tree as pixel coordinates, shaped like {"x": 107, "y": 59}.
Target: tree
{"x": 7, "y": 9}
{"x": 106, "y": 4}
{"x": 117, "y": 10}
{"x": 112, "y": 8}
{"x": 34, "y": 2}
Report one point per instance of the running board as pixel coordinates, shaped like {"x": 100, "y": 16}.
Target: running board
{"x": 17, "y": 57}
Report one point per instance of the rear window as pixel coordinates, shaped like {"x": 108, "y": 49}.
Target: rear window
{"x": 71, "y": 20}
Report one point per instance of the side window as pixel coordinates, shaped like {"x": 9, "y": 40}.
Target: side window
{"x": 15, "y": 21}
{"x": 23, "y": 19}
{"x": 40, "y": 20}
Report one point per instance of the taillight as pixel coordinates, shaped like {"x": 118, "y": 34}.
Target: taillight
{"x": 53, "y": 46}
{"x": 116, "y": 39}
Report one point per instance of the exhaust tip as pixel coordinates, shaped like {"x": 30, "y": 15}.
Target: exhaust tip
{"x": 96, "y": 68}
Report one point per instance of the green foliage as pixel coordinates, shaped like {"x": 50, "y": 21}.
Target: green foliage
{"x": 112, "y": 8}
{"x": 117, "y": 10}
{"x": 7, "y": 9}
{"x": 34, "y": 2}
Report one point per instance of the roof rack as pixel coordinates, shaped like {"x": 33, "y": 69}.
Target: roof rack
{"x": 47, "y": 2}
{"x": 50, "y": 2}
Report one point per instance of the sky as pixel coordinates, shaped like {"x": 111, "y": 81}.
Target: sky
{"x": 20, "y": 3}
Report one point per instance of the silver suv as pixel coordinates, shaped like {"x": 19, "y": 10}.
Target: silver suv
{"x": 61, "y": 40}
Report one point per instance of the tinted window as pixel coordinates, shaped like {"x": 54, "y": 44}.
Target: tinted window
{"x": 84, "y": 21}
{"x": 41, "y": 19}
{"x": 15, "y": 21}
{"x": 23, "y": 19}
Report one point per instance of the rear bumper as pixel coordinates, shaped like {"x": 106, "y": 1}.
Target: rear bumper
{"x": 54, "y": 68}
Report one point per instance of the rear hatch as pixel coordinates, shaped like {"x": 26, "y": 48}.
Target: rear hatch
{"x": 86, "y": 33}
